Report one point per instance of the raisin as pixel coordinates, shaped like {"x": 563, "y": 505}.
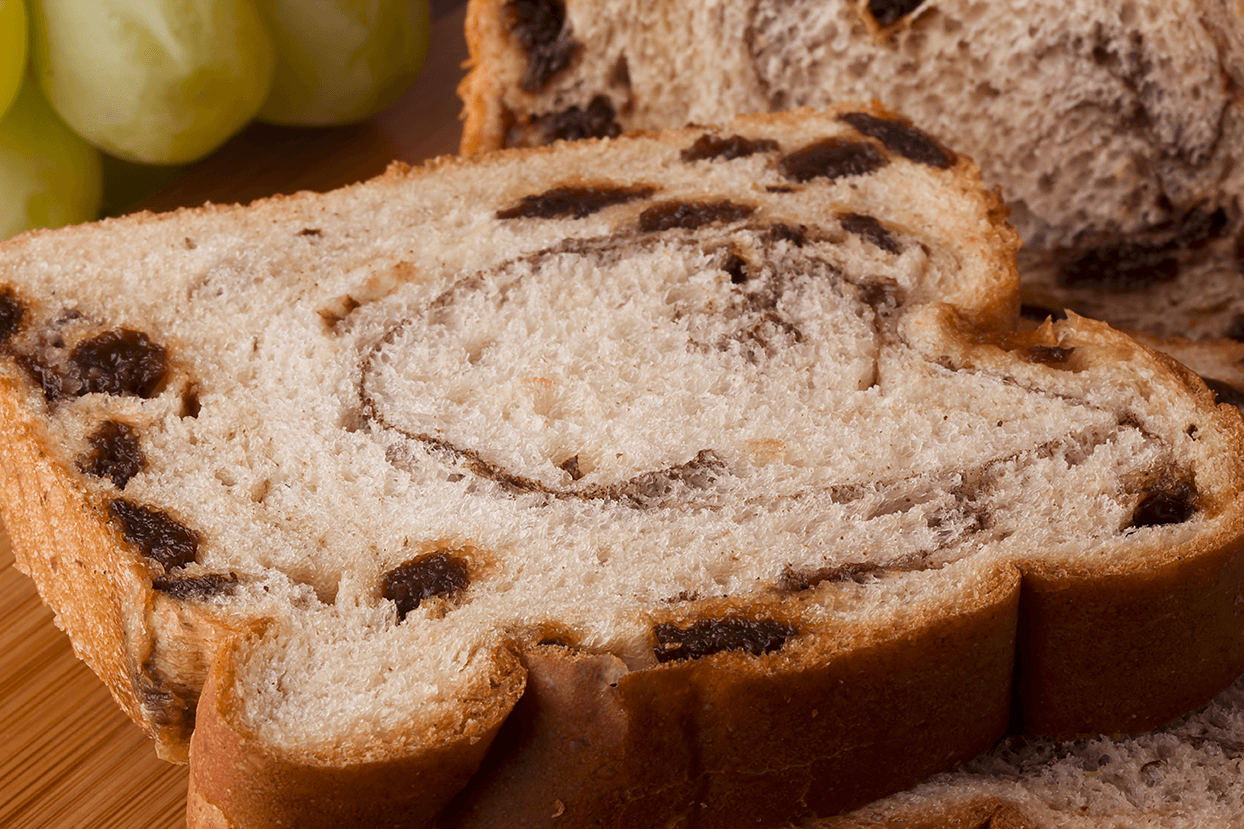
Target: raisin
{"x": 539, "y": 26}
{"x": 691, "y": 215}
{"x": 882, "y": 296}
{"x": 47, "y": 377}
{"x": 598, "y": 120}
{"x": 727, "y": 149}
{"x": 196, "y": 587}
{"x": 1046, "y": 354}
{"x": 1198, "y": 228}
{"x": 1121, "y": 267}
{"x": 832, "y": 158}
{"x": 436, "y": 574}
{"x": 797, "y": 236}
{"x": 622, "y": 73}
{"x": 1132, "y": 265}
{"x": 119, "y": 362}
{"x": 536, "y": 22}
{"x": 902, "y": 138}
{"x": 190, "y": 403}
{"x": 736, "y": 266}
{"x": 1038, "y": 314}
{"x": 871, "y": 230}
{"x": 710, "y": 636}
{"x": 155, "y": 534}
{"x": 11, "y": 313}
{"x": 1225, "y": 392}
{"x": 114, "y": 453}
{"x": 310, "y": 231}
{"x": 1167, "y": 505}
{"x": 571, "y": 467}
{"x": 578, "y": 202}
{"x": 889, "y": 12}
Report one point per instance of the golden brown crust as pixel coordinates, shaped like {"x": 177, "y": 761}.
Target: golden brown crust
{"x": 90, "y": 580}
{"x": 710, "y": 743}
{"x": 482, "y": 115}
{"x": 237, "y": 780}
{"x": 1125, "y": 653}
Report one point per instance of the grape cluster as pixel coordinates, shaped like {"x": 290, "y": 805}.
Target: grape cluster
{"x": 165, "y": 82}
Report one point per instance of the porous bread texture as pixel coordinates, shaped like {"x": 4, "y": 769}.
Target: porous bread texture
{"x": 1220, "y": 363}
{"x": 725, "y": 394}
{"x": 1100, "y": 121}
{"x": 1182, "y": 776}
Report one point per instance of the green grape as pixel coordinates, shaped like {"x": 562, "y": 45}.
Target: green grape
{"x": 340, "y": 61}
{"x": 48, "y": 175}
{"x": 154, "y": 81}
{"x": 12, "y": 50}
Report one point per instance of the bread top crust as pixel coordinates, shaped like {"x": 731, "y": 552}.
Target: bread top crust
{"x": 753, "y": 411}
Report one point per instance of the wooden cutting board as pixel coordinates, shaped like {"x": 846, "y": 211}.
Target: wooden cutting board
{"x": 68, "y": 757}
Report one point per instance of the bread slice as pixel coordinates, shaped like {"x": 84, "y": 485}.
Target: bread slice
{"x": 1113, "y": 128}
{"x": 1184, "y": 776}
{"x": 694, "y": 476}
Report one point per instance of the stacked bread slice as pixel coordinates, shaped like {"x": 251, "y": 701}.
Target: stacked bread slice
{"x": 695, "y": 476}
{"x": 1112, "y": 128}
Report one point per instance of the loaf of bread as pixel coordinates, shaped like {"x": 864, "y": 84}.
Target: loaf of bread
{"x": 1113, "y": 128}
{"x": 697, "y": 476}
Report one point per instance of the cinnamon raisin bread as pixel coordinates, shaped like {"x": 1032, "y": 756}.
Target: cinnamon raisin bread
{"x": 1113, "y": 128}
{"x": 697, "y": 476}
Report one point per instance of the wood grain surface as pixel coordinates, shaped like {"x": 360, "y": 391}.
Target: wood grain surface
{"x": 68, "y": 756}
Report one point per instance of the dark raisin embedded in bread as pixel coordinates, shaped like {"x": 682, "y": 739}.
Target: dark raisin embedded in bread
{"x": 188, "y": 588}
{"x": 889, "y": 12}
{"x": 119, "y": 362}
{"x": 539, "y": 26}
{"x": 114, "y": 453}
{"x": 868, "y": 228}
{"x": 709, "y": 636}
{"x": 440, "y": 574}
{"x": 901, "y": 137}
{"x": 597, "y": 119}
{"x": 1048, "y": 354}
{"x": 716, "y": 148}
{"x": 155, "y": 534}
{"x": 832, "y": 158}
{"x": 1171, "y": 504}
{"x": 691, "y": 215}
{"x": 11, "y": 312}
{"x": 577, "y": 202}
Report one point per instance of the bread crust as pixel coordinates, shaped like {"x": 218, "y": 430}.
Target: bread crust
{"x": 82, "y": 570}
{"x": 708, "y": 742}
{"x": 238, "y": 780}
{"x": 1064, "y": 624}
{"x": 974, "y": 813}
